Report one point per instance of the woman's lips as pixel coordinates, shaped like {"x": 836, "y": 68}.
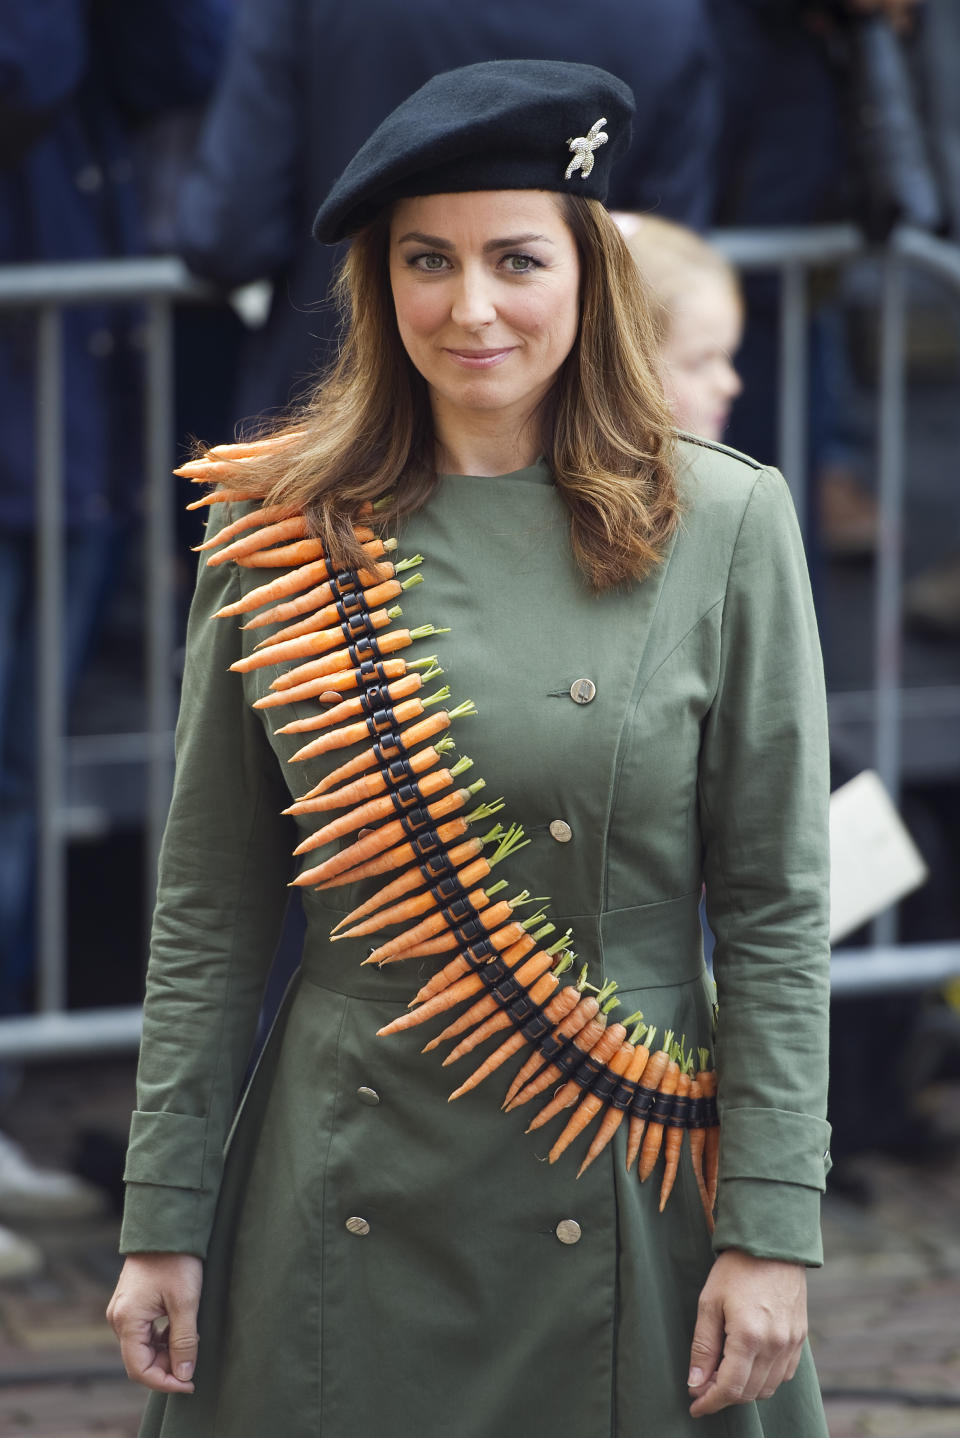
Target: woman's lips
{"x": 480, "y": 359}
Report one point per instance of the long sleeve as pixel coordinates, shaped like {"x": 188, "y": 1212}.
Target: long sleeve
{"x": 764, "y": 790}
{"x": 224, "y": 867}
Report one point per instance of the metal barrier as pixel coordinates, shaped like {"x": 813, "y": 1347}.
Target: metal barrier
{"x": 158, "y": 284}
{"x": 47, "y": 288}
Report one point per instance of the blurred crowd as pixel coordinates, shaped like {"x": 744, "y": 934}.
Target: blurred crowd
{"x": 212, "y": 129}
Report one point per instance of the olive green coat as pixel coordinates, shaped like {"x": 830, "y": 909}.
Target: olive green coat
{"x": 702, "y": 758}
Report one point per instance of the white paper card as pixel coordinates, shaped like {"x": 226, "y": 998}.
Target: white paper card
{"x": 873, "y": 860}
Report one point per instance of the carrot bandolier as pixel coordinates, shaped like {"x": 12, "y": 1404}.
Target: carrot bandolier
{"x": 404, "y": 818}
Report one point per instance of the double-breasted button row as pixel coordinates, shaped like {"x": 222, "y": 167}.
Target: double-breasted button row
{"x": 582, "y": 691}
{"x": 567, "y": 1230}
{"x": 561, "y": 831}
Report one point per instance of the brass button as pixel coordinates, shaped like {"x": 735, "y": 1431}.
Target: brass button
{"x": 568, "y": 1230}
{"x": 582, "y": 691}
{"x": 361, "y": 1227}
{"x": 561, "y": 831}
{"x": 368, "y": 1096}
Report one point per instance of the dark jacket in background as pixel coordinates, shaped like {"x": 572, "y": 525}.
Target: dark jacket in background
{"x": 75, "y": 79}
{"x": 307, "y": 81}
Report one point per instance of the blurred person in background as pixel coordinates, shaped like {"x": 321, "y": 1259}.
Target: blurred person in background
{"x": 76, "y": 78}
{"x": 785, "y": 159}
{"x": 306, "y": 81}
{"x": 697, "y": 306}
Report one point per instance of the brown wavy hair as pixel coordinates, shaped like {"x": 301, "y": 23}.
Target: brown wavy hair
{"x": 365, "y": 432}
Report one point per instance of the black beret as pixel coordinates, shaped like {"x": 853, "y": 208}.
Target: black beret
{"x": 501, "y": 125}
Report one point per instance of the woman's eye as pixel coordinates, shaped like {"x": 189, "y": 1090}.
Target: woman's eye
{"x": 432, "y": 263}
{"x": 521, "y": 264}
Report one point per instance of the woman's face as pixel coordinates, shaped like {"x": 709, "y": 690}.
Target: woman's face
{"x": 695, "y": 360}
{"x": 486, "y": 288}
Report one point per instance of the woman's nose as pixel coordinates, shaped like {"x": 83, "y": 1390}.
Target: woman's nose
{"x": 473, "y": 305}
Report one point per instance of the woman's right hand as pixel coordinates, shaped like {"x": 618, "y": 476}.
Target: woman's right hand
{"x": 153, "y": 1312}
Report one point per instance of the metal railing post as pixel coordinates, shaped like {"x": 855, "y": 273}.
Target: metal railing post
{"x": 888, "y": 592}
{"x": 50, "y": 676}
{"x": 793, "y": 385}
{"x": 160, "y": 547}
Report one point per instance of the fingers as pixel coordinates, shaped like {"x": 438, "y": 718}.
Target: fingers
{"x": 760, "y": 1309}
{"x": 183, "y": 1339}
{"x": 154, "y": 1314}
{"x": 707, "y": 1345}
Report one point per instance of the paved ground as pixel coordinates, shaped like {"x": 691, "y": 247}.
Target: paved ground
{"x": 885, "y": 1311}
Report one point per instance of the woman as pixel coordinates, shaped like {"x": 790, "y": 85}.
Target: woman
{"x": 631, "y": 617}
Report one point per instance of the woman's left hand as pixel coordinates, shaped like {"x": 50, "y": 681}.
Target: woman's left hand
{"x": 751, "y": 1323}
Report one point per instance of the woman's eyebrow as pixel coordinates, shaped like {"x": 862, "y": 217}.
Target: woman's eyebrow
{"x": 436, "y": 243}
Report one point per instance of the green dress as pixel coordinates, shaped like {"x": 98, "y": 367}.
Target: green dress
{"x": 459, "y": 1305}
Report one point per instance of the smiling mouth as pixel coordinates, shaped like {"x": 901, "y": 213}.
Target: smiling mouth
{"x": 480, "y": 359}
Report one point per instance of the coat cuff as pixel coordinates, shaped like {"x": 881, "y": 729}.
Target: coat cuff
{"x": 773, "y": 1168}
{"x": 776, "y": 1144}
{"x": 170, "y": 1195}
{"x": 769, "y": 1220}
{"x": 161, "y": 1219}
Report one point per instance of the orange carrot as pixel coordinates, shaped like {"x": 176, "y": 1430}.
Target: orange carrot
{"x": 591, "y": 1103}
{"x": 613, "y": 1118}
{"x": 360, "y": 704}
{"x": 293, "y": 527}
{"x": 254, "y": 448}
{"x": 374, "y": 843}
{"x": 300, "y": 551}
{"x": 394, "y": 858}
{"x": 511, "y": 957}
{"x": 644, "y": 1098}
{"x": 394, "y": 949}
{"x": 697, "y": 1136}
{"x": 319, "y": 643}
{"x": 580, "y": 1030}
{"x": 673, "y": 1143}
{"x": 447, "y": 942}
{"x": 653, "y": 1136}
{"x": 582, "y": 1008}
{"x": 224, "y": 457}
{"x": 559, "y": 1008}
{"x": 465, "y": 988}
{"x": 204, "y": 470}
{"x": 487, "y": 1013}
{"x": 407, "y": 882}
{"x": 360, "y": 731}
{"x": 286, "y": 585}
{"x": 376, "y": 809}
{"x": 398, "y": 913}
{"x": 339, "y": 684}
{"x": 711, "y": 1149}
{"x": 381, "y": 755}
{"x": 265, "y": 514}
{"x": 341, "y": 659}
{"x": 365, "y": 705}
{"x": 513, "y": 941}
{"x": 219, "y": 496}
{"x": 539, "y": 994}
{"x": 568, "y": 1093}
{"x": 329, "y": 614}
{"x": 323, "y": 594}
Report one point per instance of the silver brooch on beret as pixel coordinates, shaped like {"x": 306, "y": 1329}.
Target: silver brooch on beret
{"x": 583, "y": 149}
